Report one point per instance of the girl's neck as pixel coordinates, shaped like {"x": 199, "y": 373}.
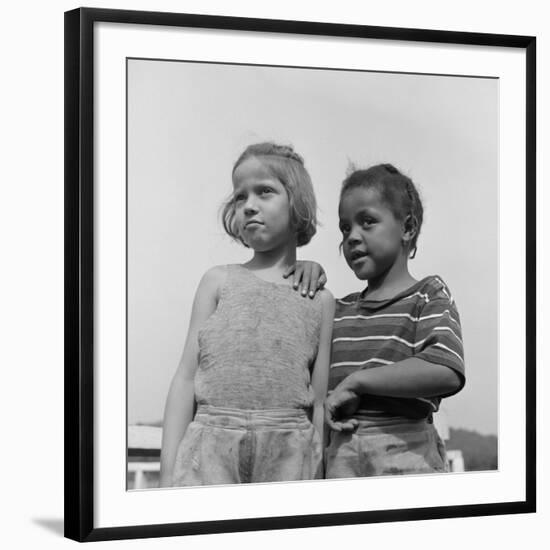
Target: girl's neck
{"x": 278, "y": 259}
{"x": 392, "y": 282}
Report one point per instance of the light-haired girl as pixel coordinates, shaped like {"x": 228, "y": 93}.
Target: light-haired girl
{"x": 246, "y": 402}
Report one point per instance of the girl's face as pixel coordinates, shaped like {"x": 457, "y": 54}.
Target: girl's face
{"x": 372, "y": 236}
{"x": 262, "y": 208}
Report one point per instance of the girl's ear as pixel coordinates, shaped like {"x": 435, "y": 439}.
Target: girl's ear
{"x": 410, "y": 226}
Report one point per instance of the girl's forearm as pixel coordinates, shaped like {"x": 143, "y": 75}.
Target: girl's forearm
{"x": 318, "y": 420}
{"x": 178, "y": 415}
{"x": 408, "y": 378}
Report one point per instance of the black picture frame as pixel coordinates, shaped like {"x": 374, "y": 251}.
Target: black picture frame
{"x": 79, "y": 271}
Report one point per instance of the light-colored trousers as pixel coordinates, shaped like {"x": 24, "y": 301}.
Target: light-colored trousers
{"x": 226, "y": 445}
{"x": 386, "y": 447}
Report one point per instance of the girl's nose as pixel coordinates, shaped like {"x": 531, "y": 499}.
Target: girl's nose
{"x": 353, "y": 241}
{"x": 250, "y": 206}
{"x": 353, "y": 237}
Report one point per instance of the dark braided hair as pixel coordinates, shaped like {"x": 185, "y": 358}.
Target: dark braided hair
{"x": 397, "y": 191}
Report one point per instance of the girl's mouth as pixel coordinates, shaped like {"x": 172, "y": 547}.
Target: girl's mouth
{"x": 252, "y": 223}
{"x": 357, "y": 255}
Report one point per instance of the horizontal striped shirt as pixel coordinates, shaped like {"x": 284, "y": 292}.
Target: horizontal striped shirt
{"x": 421, "y": 322}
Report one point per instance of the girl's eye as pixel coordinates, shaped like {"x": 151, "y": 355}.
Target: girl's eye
{"x": 266, "y": 190}
{"x": 344, "y": 229}
{"x": 368, "y": 221}
{"x": 239, "y": 198}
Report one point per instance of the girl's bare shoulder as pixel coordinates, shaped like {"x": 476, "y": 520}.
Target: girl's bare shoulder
{"x": 327, "y": 300}
{"x": 214, "y": 278}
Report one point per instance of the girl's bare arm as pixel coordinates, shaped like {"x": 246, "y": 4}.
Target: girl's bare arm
{"x": 180, "y": 402}
{"x": 319, "y": 378}
{"x": 412, "y": 377}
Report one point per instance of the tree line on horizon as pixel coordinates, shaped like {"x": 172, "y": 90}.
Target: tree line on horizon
{"x": 480, "y": 452}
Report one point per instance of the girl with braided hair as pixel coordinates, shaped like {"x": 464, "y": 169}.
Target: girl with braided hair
{"x": 246, "y": 402}
{"x": 396, "y": 345}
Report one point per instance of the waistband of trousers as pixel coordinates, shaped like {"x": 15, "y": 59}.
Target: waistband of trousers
{"x": 226, "y": 417}
{"x": 395, "y": 425}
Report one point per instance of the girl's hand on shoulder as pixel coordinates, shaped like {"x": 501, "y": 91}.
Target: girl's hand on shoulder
{"x": 339, "y": 405}
{"x": 307, "y": 277}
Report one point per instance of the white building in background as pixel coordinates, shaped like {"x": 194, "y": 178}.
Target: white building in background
{"x": 143, "y": 441}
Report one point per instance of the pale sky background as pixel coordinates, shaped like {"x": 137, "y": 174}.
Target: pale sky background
{"x": 188, "y": 123}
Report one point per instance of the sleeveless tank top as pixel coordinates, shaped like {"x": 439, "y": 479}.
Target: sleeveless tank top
{"x": 256, "y": 350}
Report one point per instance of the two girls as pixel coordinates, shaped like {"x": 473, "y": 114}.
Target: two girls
{"x": 255, "y": 363}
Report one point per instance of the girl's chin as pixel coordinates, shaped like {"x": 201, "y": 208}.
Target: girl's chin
{"x": 362, "y": 272}
{"x": 260, "y": 246}
{"x": 265, "y": 245}
{"x": 362, "y": 276}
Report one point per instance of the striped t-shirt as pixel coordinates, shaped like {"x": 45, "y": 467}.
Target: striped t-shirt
{"x": 421, "y": 322}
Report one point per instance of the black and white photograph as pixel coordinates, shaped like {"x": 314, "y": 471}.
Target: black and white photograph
{"x": 274, "y": 274}
{"x": 388, "y": 184}
{"x": 300, "y": 262}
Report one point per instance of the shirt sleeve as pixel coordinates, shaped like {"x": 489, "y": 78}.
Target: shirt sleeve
{"x": 439, "y": 337}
